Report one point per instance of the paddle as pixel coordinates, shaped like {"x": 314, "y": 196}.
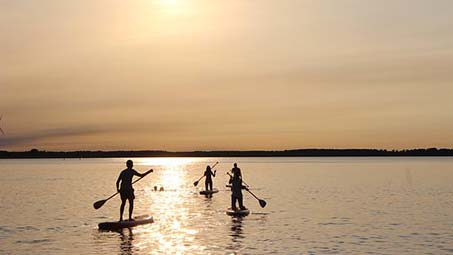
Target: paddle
{"x": 197, "y": 181}
{"x": 261, "y": 201}
{"x": 100, "y": 203}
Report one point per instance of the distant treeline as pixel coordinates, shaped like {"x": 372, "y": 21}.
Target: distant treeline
{"x": 34, "y": 153}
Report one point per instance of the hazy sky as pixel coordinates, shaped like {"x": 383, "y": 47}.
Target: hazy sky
{"x": 208, "y": 75}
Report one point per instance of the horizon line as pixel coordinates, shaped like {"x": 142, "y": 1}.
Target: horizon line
{"x": 34, "y": 153}
{"x": 229, "y": 150}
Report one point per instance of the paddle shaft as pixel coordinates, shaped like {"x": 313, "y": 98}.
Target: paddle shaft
{"x": 248, "y": 189}
{"x": 241, "y": 178}
{"x": 253, "y": 194}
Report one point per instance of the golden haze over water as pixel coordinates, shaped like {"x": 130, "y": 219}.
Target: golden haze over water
{"x": 207, "y": 75}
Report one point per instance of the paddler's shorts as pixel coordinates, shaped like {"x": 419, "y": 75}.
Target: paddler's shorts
{"x": 236, "y": 195}
{"x": 127, "y": 194}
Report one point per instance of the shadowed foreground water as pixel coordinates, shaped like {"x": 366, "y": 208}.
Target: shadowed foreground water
{"x": 315, "y": 206}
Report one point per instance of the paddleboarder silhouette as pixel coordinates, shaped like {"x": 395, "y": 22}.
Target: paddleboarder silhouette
{"x": 124, "y": 187}
{"x": 236, "y": 188}
{"x": 208, "y": 181}
{"x": 236, "y": 170}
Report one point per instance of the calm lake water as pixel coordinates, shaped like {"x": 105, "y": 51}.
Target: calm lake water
{"x": 315, "y": 206}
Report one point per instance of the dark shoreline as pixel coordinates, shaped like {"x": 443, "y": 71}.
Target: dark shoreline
{"x": 431, "y": 152}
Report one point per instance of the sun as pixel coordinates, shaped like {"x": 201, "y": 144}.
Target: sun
{"x": 168, "y": 2}
{"x": 172, "y": 8}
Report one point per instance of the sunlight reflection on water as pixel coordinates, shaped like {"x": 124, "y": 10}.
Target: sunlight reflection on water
{"x": 319, "y": 206}
{"x": 173, "y": 231}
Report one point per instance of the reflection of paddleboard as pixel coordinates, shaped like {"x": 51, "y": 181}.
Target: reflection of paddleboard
{"x": 238, "y": 213}
{"x": 208, "y": 192}
{"x": 118, "y": 225}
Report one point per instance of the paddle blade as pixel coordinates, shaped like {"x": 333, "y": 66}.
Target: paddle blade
{"x": 262, "y": 203}
{"x": 99, "y": 204}
{"x": 195, "y": 183}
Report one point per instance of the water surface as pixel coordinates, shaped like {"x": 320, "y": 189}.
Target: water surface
{"x": 315, "y": 206}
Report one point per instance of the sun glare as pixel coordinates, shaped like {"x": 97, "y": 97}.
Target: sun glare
{"x": 168, "y": 2}
{"x": 168, "y": 163}
{"x": 172, "y": 8}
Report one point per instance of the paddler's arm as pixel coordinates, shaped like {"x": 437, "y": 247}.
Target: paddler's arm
{"x": 144, "y": 174}
{"x": 118, "y": 183}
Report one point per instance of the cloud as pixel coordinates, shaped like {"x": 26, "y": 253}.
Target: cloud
{"x": 60, "y": 135}
{"x": 47, "y": 134}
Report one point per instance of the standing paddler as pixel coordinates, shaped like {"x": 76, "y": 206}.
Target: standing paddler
{"x": 208, "y": 174}
{"x": 236, "y": 188}
{"x": 125, "y": 189}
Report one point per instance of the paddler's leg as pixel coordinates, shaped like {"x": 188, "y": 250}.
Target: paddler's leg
{"x": 233, "y": 202}
{"x": 131, "y": 198}
{"x": 206, "y": 184}
{"x": 210, "y": 185}
{"x": 131, "y": 207}
{"x": 123, "y": 203}
{"x": 241, "y": 205}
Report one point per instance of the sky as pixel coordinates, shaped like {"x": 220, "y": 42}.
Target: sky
{"x": 225, "y": 75}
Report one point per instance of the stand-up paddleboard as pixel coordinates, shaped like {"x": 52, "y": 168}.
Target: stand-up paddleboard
{"x": 118, "y": 225}
{"x": 237, "y": 213}
{"x": 209, "y": 192}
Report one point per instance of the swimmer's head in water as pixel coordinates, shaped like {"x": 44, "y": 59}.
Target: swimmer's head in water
{"x": 129, "y": 163}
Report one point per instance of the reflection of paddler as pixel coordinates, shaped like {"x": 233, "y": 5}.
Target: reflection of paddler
{"x": 236, "y": 188}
